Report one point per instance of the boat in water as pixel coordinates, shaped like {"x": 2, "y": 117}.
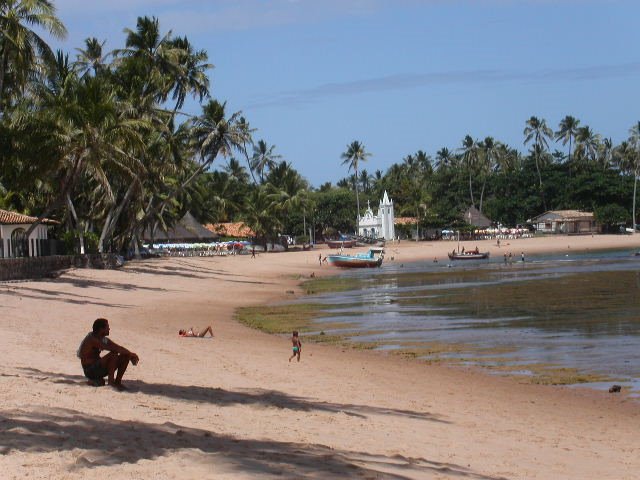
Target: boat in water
{"x": 373, "y": 258}
{"x": 468, "y": 255}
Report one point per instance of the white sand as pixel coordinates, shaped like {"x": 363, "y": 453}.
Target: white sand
{"x": 232, "y": 407}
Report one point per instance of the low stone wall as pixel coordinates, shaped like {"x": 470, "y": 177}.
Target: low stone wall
{"x": 43, "y": 267}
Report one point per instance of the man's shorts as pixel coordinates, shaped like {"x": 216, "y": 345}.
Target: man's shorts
{"x": 95, "y": 371}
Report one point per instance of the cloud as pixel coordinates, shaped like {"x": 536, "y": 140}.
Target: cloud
{"x": 470, "y": 77}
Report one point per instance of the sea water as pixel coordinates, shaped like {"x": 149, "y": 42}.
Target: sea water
{"x": 562, "y": 311}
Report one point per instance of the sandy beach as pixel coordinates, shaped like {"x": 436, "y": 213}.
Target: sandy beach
{"x": 233, "y": 407}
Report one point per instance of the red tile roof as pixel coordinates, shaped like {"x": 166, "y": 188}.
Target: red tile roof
{"x": 236, "y": 230}
{"x": 405, "y": 221}
{"x": 13, "y": 218}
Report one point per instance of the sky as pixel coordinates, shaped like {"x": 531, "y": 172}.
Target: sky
{"x": 399, "y": 76}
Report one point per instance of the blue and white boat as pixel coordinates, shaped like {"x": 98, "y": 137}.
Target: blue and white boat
{"x": 373, "y": 258}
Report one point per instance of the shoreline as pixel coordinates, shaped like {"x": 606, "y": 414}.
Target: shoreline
{"x": 233, "y": 407}
{"x": 453, "y": 353}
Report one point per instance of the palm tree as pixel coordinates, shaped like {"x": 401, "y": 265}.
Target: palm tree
{"x": 587, "y": 143}
{"x": 605, "y": 153}
{"x": 263, "y": 158}
{"x": 567, "y": 131}
{"x": 352, "y": 157}
{"x": 149, "y": 64}
{"x": 92, "y": 58}
{"x": 260, "y": 214}
{"x": 444, "y": 158}
{"x": 23, "y": 53}
{"x": 191, "y": 76}
{"x": 244, "y": 126}
{"x": 470, "y": 158}
{"x": 634, "y": 141}
{"x": 288, "y": 191}
{"x": 236, "y": 171}
{"x": 537, "y": 130}
{"x": 489, "y": 150}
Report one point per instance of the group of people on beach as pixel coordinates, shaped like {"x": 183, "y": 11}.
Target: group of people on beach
{"x": 114, "y": 364}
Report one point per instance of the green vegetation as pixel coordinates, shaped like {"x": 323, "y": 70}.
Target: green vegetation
{"x": 280, "y": 318}
{"x": 330, "y": 284}
{"x": 283, "y": 319}
{"x": 99, "y": 141}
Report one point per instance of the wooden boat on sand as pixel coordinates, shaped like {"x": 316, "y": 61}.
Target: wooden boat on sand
{"x": 341, "y": 243}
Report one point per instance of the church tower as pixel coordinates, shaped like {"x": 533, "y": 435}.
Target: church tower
{"x": 387, "y": 217}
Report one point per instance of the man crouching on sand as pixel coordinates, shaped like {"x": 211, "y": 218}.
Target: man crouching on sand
{"x": 96, "y": 367}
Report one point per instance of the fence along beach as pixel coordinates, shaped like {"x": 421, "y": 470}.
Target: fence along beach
{"x": 233, "y": 407}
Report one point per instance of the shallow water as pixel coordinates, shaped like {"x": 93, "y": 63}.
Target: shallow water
{"x": 573, "y": 311}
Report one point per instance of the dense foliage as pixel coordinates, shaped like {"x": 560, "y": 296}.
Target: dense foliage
{"x": 101, "y": 143}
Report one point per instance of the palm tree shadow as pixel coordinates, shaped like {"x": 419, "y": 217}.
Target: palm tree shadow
{"x": 257, "y": 396}
{"x": 24, "y": 292}
{"x": 106, "y": 441}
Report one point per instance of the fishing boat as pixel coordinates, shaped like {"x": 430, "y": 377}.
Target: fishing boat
{"x": 341, "y": 243}
{"x": 462, "y": 255}
{"x": 468, "y": 255}
{"x": 373, "y": 258}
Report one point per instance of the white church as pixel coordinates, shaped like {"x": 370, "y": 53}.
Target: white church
{"x": 380, "y": 225}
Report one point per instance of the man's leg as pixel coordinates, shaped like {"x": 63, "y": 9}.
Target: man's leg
{"x": 110, "y": 363}
{"x": 123, "y": 363}
{"x": 116, "y": 365}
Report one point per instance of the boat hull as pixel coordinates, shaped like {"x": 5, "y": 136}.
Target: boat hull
{"x": 345, "y": 261}
{"x": 468, "y": 256}
{"x": 341, "y": 243}
{"x": 373, "y": 258}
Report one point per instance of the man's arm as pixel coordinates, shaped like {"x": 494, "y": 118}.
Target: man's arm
{"x": 114, "y": 347}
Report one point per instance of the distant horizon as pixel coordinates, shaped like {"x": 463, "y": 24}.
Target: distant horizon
{"x": 397, "y": 76}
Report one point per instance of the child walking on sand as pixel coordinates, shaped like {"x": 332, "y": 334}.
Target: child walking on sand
{"x": 297, "y": 345}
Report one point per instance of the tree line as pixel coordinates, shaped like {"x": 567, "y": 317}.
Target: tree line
{"x": 100, "y": 141}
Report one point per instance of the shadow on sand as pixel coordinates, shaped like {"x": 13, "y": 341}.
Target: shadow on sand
{"x": 24, "y": 292}
{"x": 223, "y": 398}
{"x": 105, "y": 441}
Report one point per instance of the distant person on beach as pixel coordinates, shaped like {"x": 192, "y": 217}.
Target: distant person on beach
{"x": 320, "y": 259}
{"x": 112, "y": 365}
{"x": 297, "y": 345}
{"x": 192, "y": 333}
{"x": 522, "y": 256}
{"x": 253, "y": 252}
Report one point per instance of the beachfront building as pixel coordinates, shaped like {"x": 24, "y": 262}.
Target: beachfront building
{"x": 13, "y": 240}
{"x": 476, "y": 218}
{"x": 186, "y": 230}
{"x": 565, "y": 222}
{"x": 380, "y": 225}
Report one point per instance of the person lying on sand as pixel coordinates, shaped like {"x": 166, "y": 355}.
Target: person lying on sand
{"x": 112, "y": 365}
{"x": 192, "y": 333}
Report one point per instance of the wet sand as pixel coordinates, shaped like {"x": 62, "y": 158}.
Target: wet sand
{"x": 233, "y": 407}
